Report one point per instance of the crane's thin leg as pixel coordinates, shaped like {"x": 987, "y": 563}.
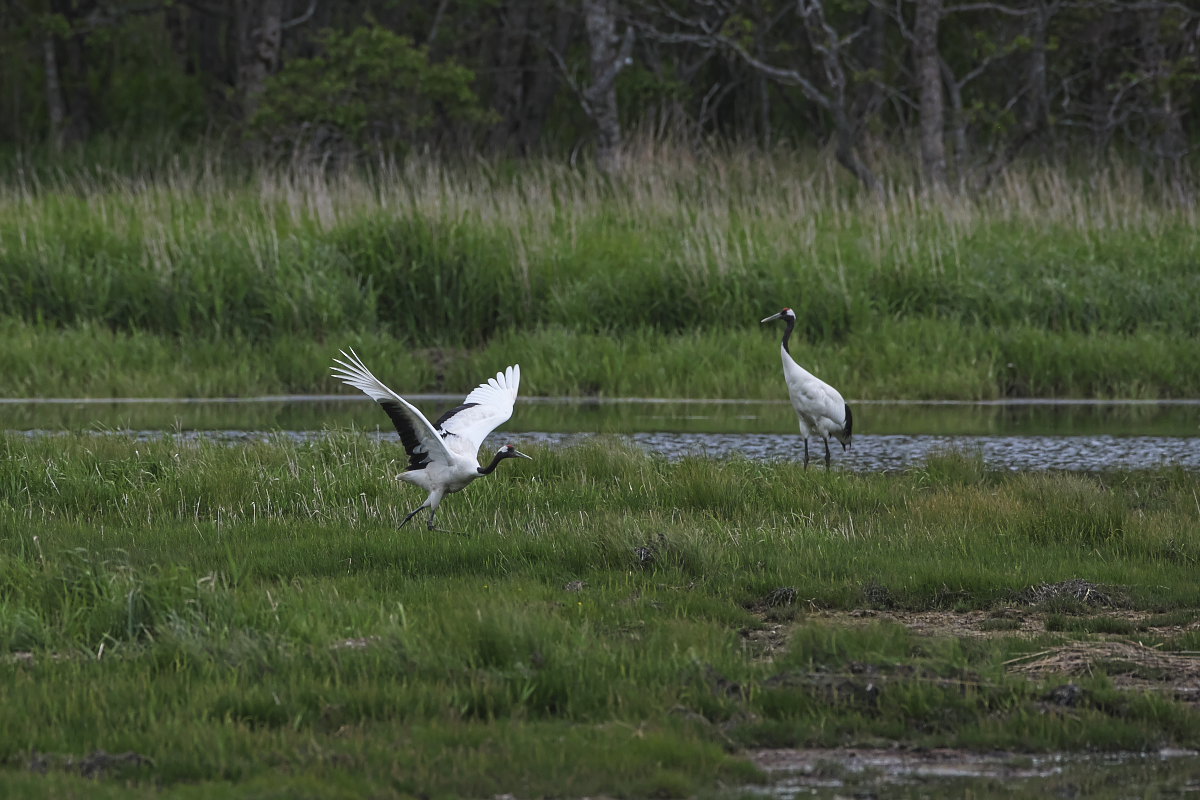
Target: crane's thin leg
{"x": 432, "y": 514}
{"x": 413, "y": 513}
{"x": 806, "y": 452}
{"x": 826, "y": 452}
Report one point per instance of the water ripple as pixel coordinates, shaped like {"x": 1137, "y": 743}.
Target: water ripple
{"x": 884, "y": 453}
{"x": 871, "y": 453}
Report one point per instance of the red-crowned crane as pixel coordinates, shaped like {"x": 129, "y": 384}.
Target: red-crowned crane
{"x": 819, "y": 406}
{"x": 442, "y": 457}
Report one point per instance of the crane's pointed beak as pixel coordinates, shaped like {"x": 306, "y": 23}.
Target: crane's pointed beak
{"x": 773, "y": 316}
{"x": 522, "y": 455}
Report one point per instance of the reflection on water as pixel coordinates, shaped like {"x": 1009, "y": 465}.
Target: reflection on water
{"x": 563, "y": 415}
{"x": 888, "y": 436}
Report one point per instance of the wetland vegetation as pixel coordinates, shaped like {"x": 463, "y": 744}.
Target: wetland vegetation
{"x": 208, "y": 200}
{"x": 189, "y": 618}
{"x": 192, "y": 276}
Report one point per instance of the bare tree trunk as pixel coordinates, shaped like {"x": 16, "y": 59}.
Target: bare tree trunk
{"x": 173, "y": 21}
{"x": 610, "y": 54}
{"x": 1039, "y": 103}
{"x": 957, "y": 125}
{"x": 56, "y": 111}
{"x": 509, "y": 70}
{"x": 871, "y": 95}
{"x": 847, "y": 134}
{"x": 260, "y": 37}
{"x": 929, "y": 88}
{"x": 846, "y": 141}
{"x": 762, "y": 86}
{"x": 542, "y": 82}
{"x": 1169, "y": 142}
{"x": 77, "y": 89}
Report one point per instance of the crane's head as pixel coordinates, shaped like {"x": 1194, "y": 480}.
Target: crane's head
{"x": 508, "y": 451}
{"x": 787, "y": 314}
{"x": 847, "y": 431}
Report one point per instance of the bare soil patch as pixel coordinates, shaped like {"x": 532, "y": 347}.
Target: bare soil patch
{"x": 1019, "y": 621}
{"x": 1130, "y": 665}
{"x": 93, "y": 765}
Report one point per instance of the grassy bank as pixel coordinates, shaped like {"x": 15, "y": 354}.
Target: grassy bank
{"x": 249, "y": 620}
{"x": 204, "y": 280}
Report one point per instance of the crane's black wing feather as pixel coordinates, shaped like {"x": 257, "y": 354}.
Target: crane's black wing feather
{"x": 418, "y": 457}
{"x": 422, "y": 442}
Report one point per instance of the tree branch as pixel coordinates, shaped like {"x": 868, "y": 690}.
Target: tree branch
{"x": 622, "y": 59}
{"x": 303, "y": 18}
{"x": 712, "y": 40}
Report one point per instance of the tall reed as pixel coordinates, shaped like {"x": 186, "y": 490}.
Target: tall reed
{"x": 454, "y": 255}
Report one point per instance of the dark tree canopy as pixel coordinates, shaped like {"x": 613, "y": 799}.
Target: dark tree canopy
{"x": 965, "y": 86}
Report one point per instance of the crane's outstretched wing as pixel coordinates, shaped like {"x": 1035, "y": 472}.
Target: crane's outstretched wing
{"x": 487, "y": 407}
{"x": 420, "y": 440}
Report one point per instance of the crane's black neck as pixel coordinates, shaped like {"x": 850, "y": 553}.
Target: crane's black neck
{"x": 787, "y": 333}
{"x": 490, "y": 468}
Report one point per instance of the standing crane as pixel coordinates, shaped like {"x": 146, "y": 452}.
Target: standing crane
{"x": 443, "y": 456}
{"x": 819, "y": 406}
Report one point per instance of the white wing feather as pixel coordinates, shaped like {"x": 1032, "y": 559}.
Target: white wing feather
{"x": 491, "y": 405}
{"x": 354, "y": 373}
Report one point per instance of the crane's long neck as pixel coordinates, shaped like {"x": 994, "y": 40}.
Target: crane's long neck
{"x": 787, "y": 333}
{"x": 490, "y": 468}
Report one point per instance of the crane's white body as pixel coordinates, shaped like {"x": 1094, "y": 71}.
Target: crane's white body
{"x": 820, "y": 408}
{"x": 443, "y": 456}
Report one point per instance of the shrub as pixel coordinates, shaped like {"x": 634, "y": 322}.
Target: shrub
{"x": 366, "y": 91}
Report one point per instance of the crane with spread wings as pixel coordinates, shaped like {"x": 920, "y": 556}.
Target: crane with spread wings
{"x": 442, "y": 456}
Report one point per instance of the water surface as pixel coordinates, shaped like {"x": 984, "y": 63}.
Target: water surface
{"x": 946, "y": 773}
{"x": 618, "y": 415}
{"x": 1013, "y": 435}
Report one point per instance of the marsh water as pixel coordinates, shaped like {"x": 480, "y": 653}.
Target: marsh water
{"x": 935, "y": 774}
{"x": 1013, "y": 435}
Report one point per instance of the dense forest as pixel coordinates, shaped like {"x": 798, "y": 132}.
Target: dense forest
{"x": 965, "y": 86}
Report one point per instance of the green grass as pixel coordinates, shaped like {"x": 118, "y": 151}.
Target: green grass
{"x": 209, "y": 279}
{"x": 251, "y": 620}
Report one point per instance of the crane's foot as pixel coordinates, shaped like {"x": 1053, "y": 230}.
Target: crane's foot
{"x": 433, "y": 526}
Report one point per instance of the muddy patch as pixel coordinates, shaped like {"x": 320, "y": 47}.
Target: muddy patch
{"x": 951, "y": 772}
{"x": 998, "y": 622}
{"x": 93, "y": 765}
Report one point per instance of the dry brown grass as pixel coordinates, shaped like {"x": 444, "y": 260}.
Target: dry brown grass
{"x": 1130, "y": 665}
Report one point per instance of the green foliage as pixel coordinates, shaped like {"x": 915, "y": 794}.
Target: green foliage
{"x": 367, "y": 90}
{"x": 250, "y": 617}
